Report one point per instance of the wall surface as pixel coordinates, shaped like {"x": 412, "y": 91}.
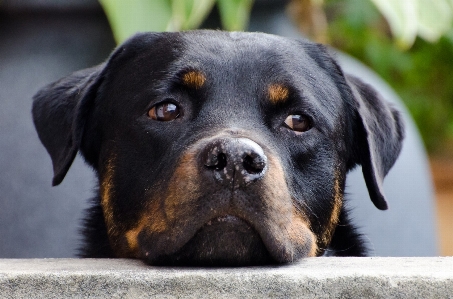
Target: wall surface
{"x": 37, "y": 220}
{"x": 309, "y": 278}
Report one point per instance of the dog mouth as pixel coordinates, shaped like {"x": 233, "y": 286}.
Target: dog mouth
{"x": 227, "y": 219}
{"x": 222, "y": 241}
{"x": 221, "y": 214}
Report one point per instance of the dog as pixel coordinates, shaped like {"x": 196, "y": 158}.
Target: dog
{"x": 219, "y": 149}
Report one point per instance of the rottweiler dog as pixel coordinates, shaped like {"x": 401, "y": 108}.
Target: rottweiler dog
{"x": 219, "y": 149}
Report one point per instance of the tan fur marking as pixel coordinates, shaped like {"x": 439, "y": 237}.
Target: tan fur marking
{"x": 194, "y": 79}
{"x": 132, "y": 237}
{"x": 277, "y": 93}
{"x": 106, "y": 194}
{"x": 290, "y": 220}
{"x": 338, "y": 202}
{"x": 152, "y": 220}
{"x": 301, "y": 233}
{"x": 335, "y": 212}
{"x": 115, "y": 230}
{"x": 183, "y": 189}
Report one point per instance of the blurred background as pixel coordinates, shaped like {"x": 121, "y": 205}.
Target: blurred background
{"x": 403, "y": 48}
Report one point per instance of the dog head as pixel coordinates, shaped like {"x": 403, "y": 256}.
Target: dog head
{"x": 219, "y": 148}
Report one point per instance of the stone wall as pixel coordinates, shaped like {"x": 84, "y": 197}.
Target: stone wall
{"x": 309, "y": 278}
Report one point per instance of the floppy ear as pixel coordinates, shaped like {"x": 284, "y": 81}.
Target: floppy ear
{"x": 379, "y": 135}
{"x": 60, "y": 112}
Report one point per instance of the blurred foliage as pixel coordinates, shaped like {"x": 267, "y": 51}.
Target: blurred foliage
{"x": 234, "y": 14}
{"x": 429, "y": 19}
{"x": 421, "y": 75}
{"x": 128, "y": 17}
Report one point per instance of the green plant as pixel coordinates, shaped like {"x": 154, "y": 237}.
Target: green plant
{"x": 421, "y": 75}
{"x": 129, "y": 17}
{"x": 428, "y": 19}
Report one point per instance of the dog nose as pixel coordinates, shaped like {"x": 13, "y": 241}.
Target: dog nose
{"x": 235, "y": 162}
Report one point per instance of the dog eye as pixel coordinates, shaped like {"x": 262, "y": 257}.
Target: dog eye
{"x": 164, "y": 112}
{"x": 298, "y": 123}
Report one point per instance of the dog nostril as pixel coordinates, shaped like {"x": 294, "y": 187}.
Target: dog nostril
{"x": 253, "y": 165}
{"x": 216, "y": 161}
{"x": 221, "y": 161}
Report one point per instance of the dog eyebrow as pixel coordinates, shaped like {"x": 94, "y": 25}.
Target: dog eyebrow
{"x": 193, "y": 79}
{"x": 277, "y": 93}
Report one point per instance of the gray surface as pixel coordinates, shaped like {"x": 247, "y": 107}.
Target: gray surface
{"x": 37, "y": 220}
{"x": 311, "y": 278}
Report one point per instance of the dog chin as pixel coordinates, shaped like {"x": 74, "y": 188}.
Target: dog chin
{"x": 222, "y": 241}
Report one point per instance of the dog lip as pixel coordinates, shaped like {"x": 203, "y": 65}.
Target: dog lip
{"x": 225, "y": 219}
{"x": 212, "y": 243}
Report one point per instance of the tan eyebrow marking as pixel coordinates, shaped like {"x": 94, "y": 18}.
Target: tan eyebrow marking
{"x": 193, "y": 79}
{"x": 277, "y": 93}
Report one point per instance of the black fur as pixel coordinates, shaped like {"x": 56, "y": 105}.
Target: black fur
{"x": 96, "y": 242}
{"x": 346, "y": 240}
{"x": 226, "y": 182}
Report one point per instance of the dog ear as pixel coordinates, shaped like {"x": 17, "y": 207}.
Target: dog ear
{"x": 59, "y": 113}
{"x": 379, "y": 135}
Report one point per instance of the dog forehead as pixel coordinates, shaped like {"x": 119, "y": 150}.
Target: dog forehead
{"x": 259, "y": 61}
{"x": 228, "y": 42}
{"x": 274, "y": 58}
{"x": 267, "y": 56}
{"x": 230, "y": 48}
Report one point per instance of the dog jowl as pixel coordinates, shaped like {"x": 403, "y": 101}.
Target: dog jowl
{"x": 215, "y": 148}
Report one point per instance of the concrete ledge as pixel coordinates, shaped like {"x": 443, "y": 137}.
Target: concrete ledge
{"x": 309, "y": 278}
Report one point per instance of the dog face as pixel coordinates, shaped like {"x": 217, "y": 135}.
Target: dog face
{"x": 216, "y": 148}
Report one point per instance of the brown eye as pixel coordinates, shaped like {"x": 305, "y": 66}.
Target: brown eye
{"x": 298, "y": 123}
{"x": 164, "y": 112}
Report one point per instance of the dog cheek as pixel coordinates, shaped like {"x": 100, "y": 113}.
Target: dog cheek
{"x": 152, "y": 222}
{"x": 183, "y": 189}
{"x": 122, "y": 239}
{"x": 301, "y": 235}
{"x": 156, "y": 229}
{"x": 289, "y": 225}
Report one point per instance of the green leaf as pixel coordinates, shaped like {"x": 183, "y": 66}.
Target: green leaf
{"x": 128, "y": 17}
{"x": 435, "y": 17}
{"x": 402, "y": 17}
{"x": 429, "y": 19}
{"x": 449, "y": 36}
{"x": 234, "y": 13}
{"x": 189, "y": 14}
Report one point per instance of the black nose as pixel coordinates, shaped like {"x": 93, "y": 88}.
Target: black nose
{"x": 235, "y": 162}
